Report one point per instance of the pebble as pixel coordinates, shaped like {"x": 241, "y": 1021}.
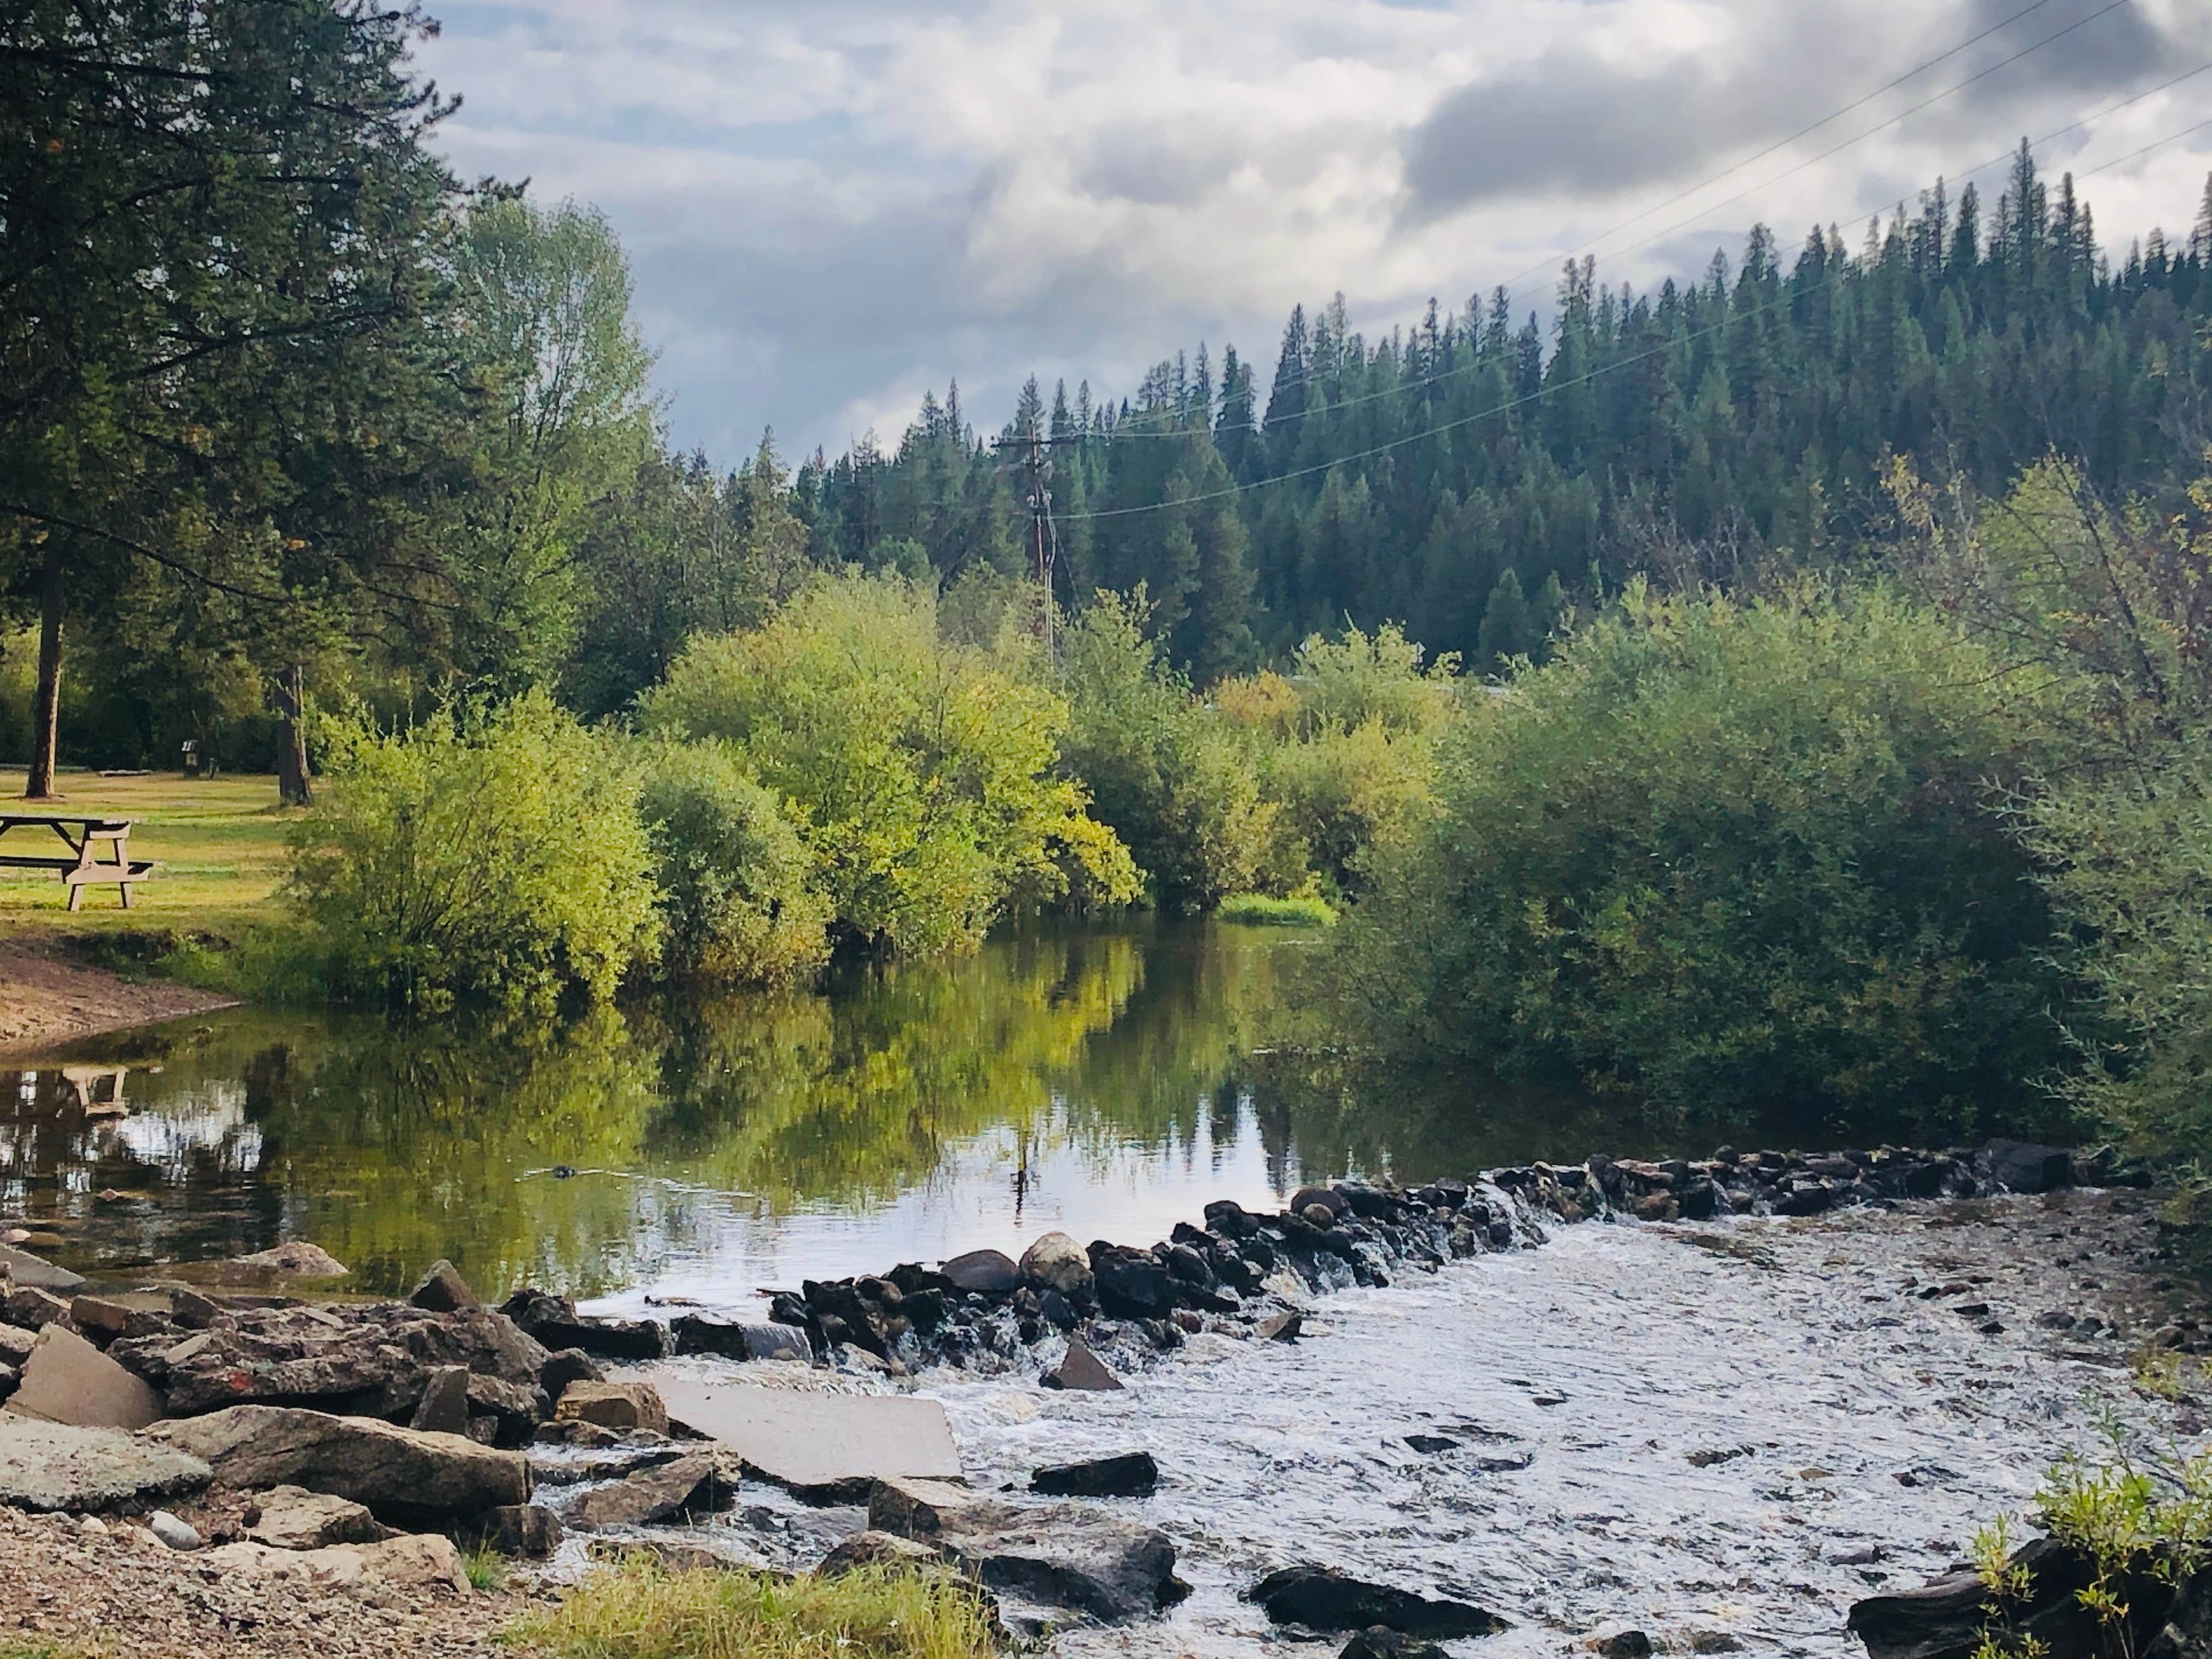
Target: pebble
{"x": 177, "y": 1533}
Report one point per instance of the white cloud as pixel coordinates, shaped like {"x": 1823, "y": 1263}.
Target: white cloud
{"x": 830, "y": 208}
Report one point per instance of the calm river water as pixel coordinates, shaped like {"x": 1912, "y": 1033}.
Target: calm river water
{"x": 1102, "y": 1081}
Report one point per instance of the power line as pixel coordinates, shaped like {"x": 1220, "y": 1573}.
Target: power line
{"x": 1118, "y": 435}
{"x": 1787, "y": 297}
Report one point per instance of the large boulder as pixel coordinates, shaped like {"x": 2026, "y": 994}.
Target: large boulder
{"x": 55, "y": 1466}
{"x": 1132, "y": 1284}
{"x": 293, "y": 1518}
{"x": 1322, "y": 1598}
{"x": 1057, "y": 1262}
{"x": 982, "y": 1272}
{"x": 684, "y": 1486}
{"x": 1082, "y": 1372}
{"x": 616, "y": 1406}
{"x": 403, "y": 1477}
{"x": 1062, "y": 1555}
{"x": 1945, "y": 1618}
{"x": 555, "y": 1322}
{"x": 413, "y": 1565}
{"x": 2021, "y": 1166}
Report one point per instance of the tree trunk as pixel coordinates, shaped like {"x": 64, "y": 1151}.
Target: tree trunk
{"x": 47, "y": 712}
{"x": 293, "y": 787}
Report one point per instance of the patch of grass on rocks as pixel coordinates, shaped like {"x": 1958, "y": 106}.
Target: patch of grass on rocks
{"x": 641, "y": 1611}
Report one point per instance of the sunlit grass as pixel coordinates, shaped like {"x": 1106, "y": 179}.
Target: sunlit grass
{"x": 639, "y": 1611}
{"x": 1258, "y": 910}
{"x": 220, "y": 843}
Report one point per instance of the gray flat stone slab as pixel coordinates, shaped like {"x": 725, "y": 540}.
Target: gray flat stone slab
{"x": 826, "y": 1446}
{"x": 58, "y": 1466}
{"x": 36, "y": 1273}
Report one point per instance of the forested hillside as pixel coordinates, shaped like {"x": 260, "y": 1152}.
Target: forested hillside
{"x": 1466, "y": 474}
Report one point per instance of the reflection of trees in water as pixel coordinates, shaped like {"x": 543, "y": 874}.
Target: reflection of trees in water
{"x": 390, "y": 1145}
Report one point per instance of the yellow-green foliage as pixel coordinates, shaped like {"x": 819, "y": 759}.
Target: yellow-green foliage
{"x": 640, "y": 1611}
{"x": 1306, "y": 909}
{"x": 738, "y": 900}
{"x": 497, "y": 855}
{"x": 924, "y": 767}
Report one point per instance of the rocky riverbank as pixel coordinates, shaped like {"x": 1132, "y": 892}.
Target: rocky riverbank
{"x": 513, "y": 1425}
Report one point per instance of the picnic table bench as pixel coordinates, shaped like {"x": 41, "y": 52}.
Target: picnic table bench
{"x": 83, "y": 867}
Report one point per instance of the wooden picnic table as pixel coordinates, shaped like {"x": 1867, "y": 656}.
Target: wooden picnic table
{"x": 85, "y": 834}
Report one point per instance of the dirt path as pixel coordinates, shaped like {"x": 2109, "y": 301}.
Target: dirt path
{"x": 47, "y": 999}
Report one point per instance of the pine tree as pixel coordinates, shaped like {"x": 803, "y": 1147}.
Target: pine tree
{"x": 1508, "y": 629}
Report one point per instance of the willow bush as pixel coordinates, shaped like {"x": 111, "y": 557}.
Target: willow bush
{"x": 493, "y": 854}
{"x": 1728, "y": 853}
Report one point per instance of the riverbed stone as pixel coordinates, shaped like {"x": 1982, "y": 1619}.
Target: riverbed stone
{"x": 444, "y": 1407}
{"x": 530, "y": 1531}
{"x": 35, "y": 1272}
{"x": 614, "y": 1405}
{"x": 1057, "y": 1262}
{"x": 730, "y": 1339}
{"x": 876, "y": 1549}
{"x": 1945, "y": 1618}
{"x": 685, "y": 1485}
{"x": 1127, "y": 1474}
{"x": 2021, "y": 1166}
{"x": 294, "y": 1259}
{"x": 31, "y": 1309}
{"x": 1082, "y": 1372}
{"x": 177, "y": 1533}
{"x": 402, "y": 1476}
{"x": 67, "y": 1380}
{"x": 442, "y": 1290}
{"x": 57, "y": 1466}
{"x": 982, "y": 1273}
{"x": 293, "y": 1518}
{"x": 1322, "y": 1598}
{"x": 1380, "y": 1642}
{"x": 827, "y": 1447}
{"x": 554, "y": 1322}
{"x": 413, "y": 1565}
{"x": 1132, "y": 1284}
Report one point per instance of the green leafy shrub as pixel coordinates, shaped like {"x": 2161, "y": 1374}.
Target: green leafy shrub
{"x": 737, "y": 899}
{"x": 1177, "y": 784}
{"x": 924, "y": 767}
{"x": 1728, "y": 854}
{"x": 494, "y": 854}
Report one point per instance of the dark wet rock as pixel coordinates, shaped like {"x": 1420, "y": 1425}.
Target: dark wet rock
{"x": 442, "y": 1290}
{"x": 1060, "y": 1554}
{"x": 34, "y": 1272}
{"x": 444, "y": 1407}
{"x": 1622, "y": 1644}
{"x": 403, "y": 1477}
{"x": 1327, "y": 1197}
{"x": 1132, "y": 1284}
{"x": 1228, "y": 1218}
{"x": 570, "y": 1365}
{"x": 1945, "y": 1618}
{"x": 55, "y": 1466}
{"x": 687, "y": 1486}
{"x": 1318, "y": 1216}
{"x": 696, "y": 1334}
{"x": 1382, "y": 1643}
{"x": 1082, "y": 1370}
{"x": 617, "y": 1405}
{"x": 1322, "y": 1598}
{"x": 1429, "y": 1445}
{"x": 1281, "y": 1327}
{"x": 2021, "y": 1166}
{"x": 1130, "y": 1474}
{"x": 554, "y": 1322}
{"x": 982, "y": 1272}
{"x": 530, "y": 1531}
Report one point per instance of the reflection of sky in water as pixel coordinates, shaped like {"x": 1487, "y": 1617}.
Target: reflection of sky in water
{"x": 719, "y": 1250}
{"x": 211, "y": 1123}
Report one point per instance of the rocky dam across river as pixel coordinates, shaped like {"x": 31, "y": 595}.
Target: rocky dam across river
{"x": 1742, "y": 1396}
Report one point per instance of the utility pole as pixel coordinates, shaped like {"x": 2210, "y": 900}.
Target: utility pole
{"x": 1044, "y": 539}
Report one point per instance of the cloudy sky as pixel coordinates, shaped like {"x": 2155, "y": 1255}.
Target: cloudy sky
{"x": 832, "y": 207}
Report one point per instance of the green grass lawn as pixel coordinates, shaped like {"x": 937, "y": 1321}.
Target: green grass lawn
{"x": 219, "y": 842}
